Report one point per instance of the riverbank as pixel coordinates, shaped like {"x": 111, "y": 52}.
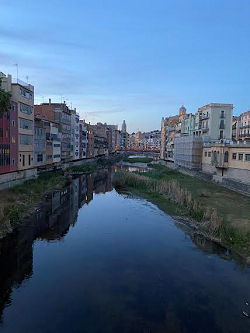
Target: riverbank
{"x": 22, "y": 200}
{"x": 215, "y": 211}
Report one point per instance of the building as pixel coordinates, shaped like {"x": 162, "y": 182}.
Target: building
{"x": 117, "y": 140}
{"x": 188, "y": 125}
{"x": 230, "y": 162}
{"x": 23, "y": 97}
{"x": 39, "y": 142}
{"x": 75, "y": 136}
{"x": 90, "y": 140}
{"x": 58, "y": 117}
{"x": 188, "y": 152}
{"x": 171, "y": 127}
{"x": 83, "y": 139}
{"x": 100, "y": 140}
{"x": 112, "y": 138}
{"x": 9, "y": 139}
{"x": 244, "y": 126}
{"x": 214, "y": 122}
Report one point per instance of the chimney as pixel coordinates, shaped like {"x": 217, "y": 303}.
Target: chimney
{"x": 49, "y": 101}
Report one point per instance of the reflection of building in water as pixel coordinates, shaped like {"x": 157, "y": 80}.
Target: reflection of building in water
{"x": 16, "y": 263}
{"x": 50, "y": 222}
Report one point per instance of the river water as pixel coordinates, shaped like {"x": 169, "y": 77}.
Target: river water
{"x": 93, "y": 260}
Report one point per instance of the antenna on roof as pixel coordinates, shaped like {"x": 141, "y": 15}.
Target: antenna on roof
{"x": 16, "y": 70}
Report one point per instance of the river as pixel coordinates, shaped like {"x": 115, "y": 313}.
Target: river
{"x": 94, "y": 260}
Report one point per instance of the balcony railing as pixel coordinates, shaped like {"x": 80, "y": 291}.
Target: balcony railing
{"x": 245, "y": 126}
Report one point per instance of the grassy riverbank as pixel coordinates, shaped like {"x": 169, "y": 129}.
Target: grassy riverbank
{"x": 19, "y": 201}
{"x": 218, "y": 212}
{"x": 89, "y": 167}
{"x": 138, "y": 159}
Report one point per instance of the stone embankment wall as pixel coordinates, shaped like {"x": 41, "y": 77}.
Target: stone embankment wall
{"x": 234, "y": 179}
{"x": 11, "y": 179}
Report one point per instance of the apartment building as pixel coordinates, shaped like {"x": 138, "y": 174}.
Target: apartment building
{"x": 112, "y": 138}
{"x": 100, "y": 140}
{"x": 213, "y": 122}
{"x": 117, "y": 140}
{"x": 23, "y": 96}
{"x": 244, "y": 126}
{"x": 83, "y": 140}
{"x": 75, "y": 136}
{"x": 9, "y": 139}
{"x": 58, "y": 130}
{"x": 227, "y": 161}
{"x": 39, "y": 142}
{"x": 90, "y": 140}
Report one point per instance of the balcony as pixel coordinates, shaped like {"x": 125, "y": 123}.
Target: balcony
{"x": 222, "y": 116}
{"x": 244, "y": 135}
{"x": 203, "y": 116}
{"x": 245, "y": 126}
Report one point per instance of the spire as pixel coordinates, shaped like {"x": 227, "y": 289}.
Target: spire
{"x": 124, "y": 127}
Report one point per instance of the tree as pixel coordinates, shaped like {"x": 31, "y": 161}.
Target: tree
{"x": 5, "y": 97}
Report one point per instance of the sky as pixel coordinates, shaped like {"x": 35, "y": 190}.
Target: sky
{"x": 134, "y": 60}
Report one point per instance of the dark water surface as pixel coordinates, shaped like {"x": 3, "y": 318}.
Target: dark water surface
{"x": 93, "y": 260}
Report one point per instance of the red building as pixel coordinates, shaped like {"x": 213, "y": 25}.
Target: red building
{"x": 9, "y": 140}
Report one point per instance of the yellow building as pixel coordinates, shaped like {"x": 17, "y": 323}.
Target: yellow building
{"x": 231, "y": 162}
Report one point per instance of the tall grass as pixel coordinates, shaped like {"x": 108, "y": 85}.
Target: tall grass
{"x": 172, "y": 190}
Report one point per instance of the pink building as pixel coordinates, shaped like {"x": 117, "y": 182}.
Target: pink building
{"x": 9, "y": 140}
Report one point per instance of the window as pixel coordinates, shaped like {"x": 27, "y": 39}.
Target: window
{"x": 25, "y": 139}
{"x": 25, "y": 124}
{"x": 49, "y": 157}
{"x": 57, "y": 156}
{"x": 13, "y": 161}
{"x": 29, "y": 159}
{"x": 1, "y": 132}
{"x": 222, "y": 123}
{"x": 13, "y": 123}
{"x": 49, "y": 143}
{"x": 57, "y": 145}
{"x": 205, "y": 153}
{"x": 39, "y": 157}
{"x": 222, "y": 114}
{"x": 247, "y": 157}
{"x": 4, "y": 155}
{"x": 209, "y": 154}
{"x": 23, "y": 160}
{"x": 13, "y": 108}
{"x": 221, "y": 134}
{"x": 234, "y": 156}
{"x": 226, "y": 157}
{"x": 24, "y": 108}
{"x": 240, "y": 157}
{"x": 13, "y": 139}
{"x": 25, "y": 93}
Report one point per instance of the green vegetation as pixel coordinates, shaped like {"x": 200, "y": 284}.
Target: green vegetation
{"x": 217, "y": 211}
{"x": 4, "y": 100}
{"x": 90, "y": 167}
{"x": 22, "y": 199}
{"x": 138, "y": 159}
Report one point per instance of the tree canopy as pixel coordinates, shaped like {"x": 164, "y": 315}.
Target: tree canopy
{"x": 5, "y": 97}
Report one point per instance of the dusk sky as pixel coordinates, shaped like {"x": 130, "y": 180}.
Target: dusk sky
{"x": 132, "y": 60}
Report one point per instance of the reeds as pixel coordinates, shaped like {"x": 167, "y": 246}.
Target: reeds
{"x": 173, "y": 191}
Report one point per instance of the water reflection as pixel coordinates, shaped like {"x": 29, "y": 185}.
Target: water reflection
{"x": 123, "y": 267}
{"x": 51, "y": 222}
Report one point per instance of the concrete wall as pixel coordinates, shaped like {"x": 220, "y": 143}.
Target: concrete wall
{"x": 14, "y": 178}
